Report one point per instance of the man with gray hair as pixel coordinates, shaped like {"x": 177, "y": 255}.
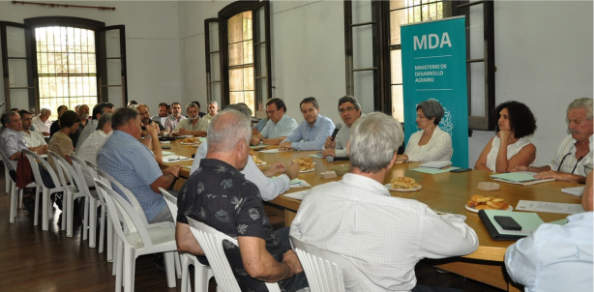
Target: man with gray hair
{"x": 573, "y": 160}
{"x": 212, "y": 108}
{"x": 88, "y": 150}
{"x": 218, "y": 195}
{"x": 42, "y": 123}
{"x": 269, "y": 188}
{"x": 383, "y": 236}
{"x": 350, "y": 112}
{"x": 193, "y": 125}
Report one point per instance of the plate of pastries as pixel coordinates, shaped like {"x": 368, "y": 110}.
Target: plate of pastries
{"x": 306, "y": 164}
{"x": 189, "y": 141}
{"x": 403, "y": 184}
{"x": 257, "y": 161}
{"x": 478, "y": 202}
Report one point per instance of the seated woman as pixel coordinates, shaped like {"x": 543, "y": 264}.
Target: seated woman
{"x": 510, "y": 147}
{"x": 430, "y": 143}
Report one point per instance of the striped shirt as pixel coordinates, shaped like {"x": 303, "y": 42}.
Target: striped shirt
{"x": 171, "y": 122}
{"x": 566, "y": 161}
{"x": 134, "y": 166}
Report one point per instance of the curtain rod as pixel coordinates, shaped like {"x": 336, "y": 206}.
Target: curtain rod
{"x": 54, "y": 5}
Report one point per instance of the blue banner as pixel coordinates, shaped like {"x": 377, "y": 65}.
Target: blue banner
{"x": 434, "y": 67}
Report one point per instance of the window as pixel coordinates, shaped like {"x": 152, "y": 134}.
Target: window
{"x": 51, "y": 61}
{"x": 373, "y": 57}
{"x": 238, "y": 55}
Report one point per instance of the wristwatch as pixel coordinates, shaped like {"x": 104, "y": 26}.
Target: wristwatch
{"x": 261, "y": 141}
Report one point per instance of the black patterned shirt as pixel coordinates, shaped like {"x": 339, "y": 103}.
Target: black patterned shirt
{"x": 218, "y": 195}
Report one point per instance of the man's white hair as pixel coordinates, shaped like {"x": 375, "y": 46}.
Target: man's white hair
{"x": 584, "y": 102}
{"x": 227, "y": 129}
{"x": 375, "y": 138}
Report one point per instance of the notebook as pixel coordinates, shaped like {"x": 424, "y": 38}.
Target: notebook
{"x": 436, "y": 164}
{"x": 528, "y": 221}
{"x": 523, "y": 178}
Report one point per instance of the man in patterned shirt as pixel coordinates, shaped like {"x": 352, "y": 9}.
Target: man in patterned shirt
{"x": 383, "y": 236}
{"x": 133, "y": 165}
{"x": 174, "y": 118}
{"x": 219, "y": 195}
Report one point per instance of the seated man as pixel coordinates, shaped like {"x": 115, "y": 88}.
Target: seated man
{"x": 573, "y": 160}
{"x": 174, "y": 118}
{"x": 278, "y": 127}
{"x": 193, "y": 125}
{"x": 134, "y": 166}
{"x": 98, "y": 110}
{"x": 212, "y": 108}
{"x": 350, "y": 111}
{"x": 11, "y": 137}
{"x": 88, "y": 150}
{"x": 35, "y": 142}
{"x": 383, "y": 236}
{"x": 311, "y": 133}
{"x": 201, "y": 114}
{"x": 269, "y": 188}
{"x": 162, "y": 116}
{"x": 145, "y": 117}
{"x": 233, "y": 206}
{"x": 42, "y": 123}
{"x": 55, "y": 127}
{"x": 556, "y": 257}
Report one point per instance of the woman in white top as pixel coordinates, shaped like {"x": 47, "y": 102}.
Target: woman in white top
{"x": 510, "y": 147}
{"x": 430, "y": 143}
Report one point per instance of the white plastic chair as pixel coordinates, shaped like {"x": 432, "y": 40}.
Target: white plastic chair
{"x": 73, "y": 189}
{"x": 202, "y": 273}
{"x": 211, "y": 242}
{"x": 103, "y": 225}
{"x": 80, "y": 168}
{"x": 324, "y": 269}
{"x": 36, "y": 160}
{"x": 13, "y": 190}
{"x": 135, "y": 239}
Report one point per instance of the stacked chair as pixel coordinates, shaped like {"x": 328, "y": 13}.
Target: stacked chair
{"x": 46, "y": 214}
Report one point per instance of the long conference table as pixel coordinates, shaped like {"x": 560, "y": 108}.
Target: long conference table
{"x": 445, "y": 193}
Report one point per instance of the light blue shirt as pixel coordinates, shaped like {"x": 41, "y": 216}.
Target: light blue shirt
{"x": 12, "y": 141}
{"x": 283, "y": 128}
{"x": 311, "y": 138}
{"x": 554, "y": 257}
{"x": 134, "y": 166}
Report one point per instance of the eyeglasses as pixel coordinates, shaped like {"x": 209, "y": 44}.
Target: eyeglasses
{"x": 343, "y": 110}
{"x": 271, "y": 112}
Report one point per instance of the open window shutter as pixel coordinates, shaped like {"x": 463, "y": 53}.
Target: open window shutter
{"x": 262, "y": 60}
{"x": 18, "y": 63}
{"x": 213, "y": 60}
{"x": 111, "y": 60}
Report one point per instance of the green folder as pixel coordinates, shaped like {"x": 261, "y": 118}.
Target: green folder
{"x": 165, "y": 153}
{"x": 522, "y": 176}
{"x": 433, "y": 170}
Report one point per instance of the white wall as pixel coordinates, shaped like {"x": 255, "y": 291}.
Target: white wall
{"x": 152, "y": 40}
{"x": 543, "y": 54}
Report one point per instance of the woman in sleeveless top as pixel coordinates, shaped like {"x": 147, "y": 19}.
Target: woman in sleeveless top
{"x": 510, "y": 147}
{"x": 430, "y": 143}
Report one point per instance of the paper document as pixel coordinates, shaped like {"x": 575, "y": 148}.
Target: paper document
{"x": 548, "y": 207}
{"x": 175, "y": 158}
{"x": 522, "y": 176}
{"x": 316, "y": 155}
{"x": 577, "y": 191}
{"x": 165, "y": 153}
{"x": 296, "y": 195}
{"x": 299, "y": 183}
{"x": 433, "y": 170}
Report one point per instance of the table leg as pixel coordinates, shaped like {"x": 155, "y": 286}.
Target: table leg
{"x": 289, "y": 216}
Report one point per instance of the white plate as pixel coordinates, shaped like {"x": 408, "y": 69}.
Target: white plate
{"x": 271, "y": 151}
{"x": 389, "y": 186}
{"x": 184, "y": 143}
{"x": 476, "y": 211}
{"x": 260, "y": 164}
{"x": 307, "y": 170}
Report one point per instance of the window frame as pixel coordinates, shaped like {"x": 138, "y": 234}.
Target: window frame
{"x": 382, "y": 56}
{"x": 223, "y": 16}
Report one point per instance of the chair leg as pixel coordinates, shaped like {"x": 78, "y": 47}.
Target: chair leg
{"x": 13, "y": 195}
{"x": 45, "y": 209}
{"x": 109, "y": 240}
{"x": 117, "y": 267}
{"x": 128, "y": 276}
{"x": 20, "y": 204}
{"x": 185, "y": 282}
{"x": 36, "y": 218}
{"x": 85, "y": 228}
{"x": 92, "y": 220}
{"x": 102, "y": 227}
{"x": 6, "y": 176}
{"x": 178, "y": 271}
{"x": 169, "y": 269}
{"x": 69, "y": 213}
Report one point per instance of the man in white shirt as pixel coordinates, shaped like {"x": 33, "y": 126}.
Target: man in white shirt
{"x": 556, "y": 257}
{"x": 213, "y": 108}
{"x": 33, "y": 139}
{"x": 269, "y": 188}
{"x": 193, "y": 125}
{"x": 88, "y": 150}
{"x": 573, "y": 160}
{"x": 383, "y": 236}
{"x": 42, "y": 123}
{"x": 278, "y": 127}
{"x": 350, "y": 111}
